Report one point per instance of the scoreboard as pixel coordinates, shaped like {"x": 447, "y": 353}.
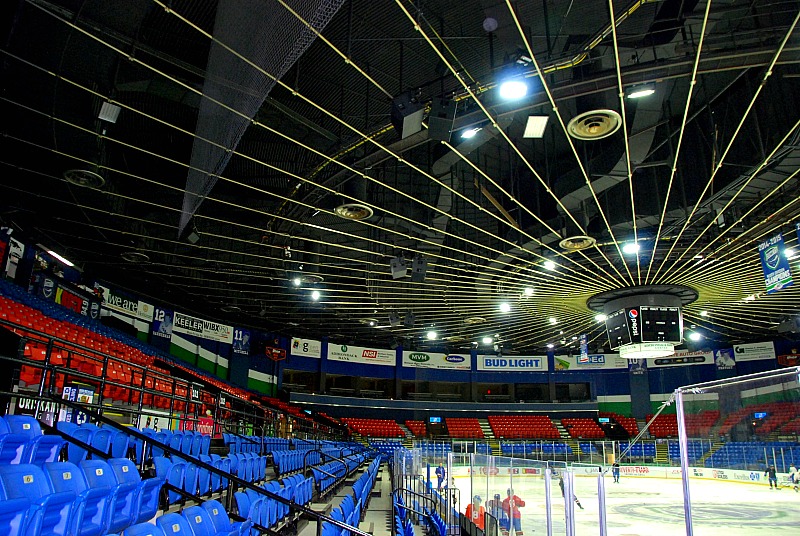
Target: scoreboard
{"x": 633, "y": 325}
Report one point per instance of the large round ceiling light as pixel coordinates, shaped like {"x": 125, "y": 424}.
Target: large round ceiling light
{"x": 353, "y": 211}
{"x": 594, "y": 125}
{"x": 577, "y": 243}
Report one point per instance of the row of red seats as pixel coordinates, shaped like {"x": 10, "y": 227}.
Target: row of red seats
{"x": 583, "y": 428}
{"x": 374, "y": 427}
{"x": 464, "y": 428}
{"x": 628, "y": 423}
{"x": 523, "y": 427}
{"x": 417, "y": 428}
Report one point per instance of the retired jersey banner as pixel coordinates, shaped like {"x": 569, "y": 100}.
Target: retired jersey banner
{"x": 357, "y": 354}
{"x": 755, "y": 351}
{"x": 682, "y": 358}
{"x": 590, "y": 362}
{"x": 241, "y": 341}
{"x": 501, "y": 363}
{"x": 125, "y": 305}
{"x": 162, "y": 323}
{"x": 436, "y": 360}
{"x": 306, "y": 348}
{"x": 774, "y": 263}
{"x": 724, "y": 359}
{"x": 205, "y": 329}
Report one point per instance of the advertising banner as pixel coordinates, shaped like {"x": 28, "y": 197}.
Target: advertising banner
{"x": 590, "y": 362}
{"x": 306, "y": 348}
{"x": 205, "y": 329}
{"x": 500, "y": 363}
{"x": 162, "y": 323}
{"x": 357, "y": 354}
{"x": 241, "y": 341}
{"x": 436, "y": 360}
{"x": 125, "y": 305}
{"x": 774, "y": 264}
{"x": 755, "y": 351}
{"x": 683, "y": 358}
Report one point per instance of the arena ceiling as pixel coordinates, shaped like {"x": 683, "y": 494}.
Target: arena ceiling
{"x": 243, "y": 124}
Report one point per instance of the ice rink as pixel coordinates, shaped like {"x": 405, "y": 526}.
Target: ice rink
{"x": 640, "y": 506}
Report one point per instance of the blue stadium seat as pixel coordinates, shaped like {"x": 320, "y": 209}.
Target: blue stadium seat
{"x": 40, "y": 448}
{"x": 119, "y": 444}
{"x": 100, "y": 475}
{"x": 89, "y": 516}
{"x": 174, "y": 525}
{"x": 13, "y": 515}
{"x": 144, "y": 529}
{"x": 147, "y": 491}
{"x": 12, "y": 446}
{"x": 171, "y": 473}
{"x": 49, "y": 512}
{"x": 222, "y": 523}
{"x": 204, "y": 475}
{"x": 201, "y": 524}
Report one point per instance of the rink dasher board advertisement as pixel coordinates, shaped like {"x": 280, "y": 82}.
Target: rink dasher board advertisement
{"x": 501, "y": 363}
{"x": 434, "y": 360}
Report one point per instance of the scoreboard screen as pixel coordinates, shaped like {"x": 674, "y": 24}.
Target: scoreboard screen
{"x": 661, "y": 324}
{"x": 619, "y": 333}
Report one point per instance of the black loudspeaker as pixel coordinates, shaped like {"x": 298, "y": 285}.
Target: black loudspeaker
{"x": 440, "y": 119}
{"x": 409, "y": 320}
{"x": 394, "y": 319}
{"x": 407, "y": 114}
{"x": 419, "y": 267}
{"x": 398, "y": 267}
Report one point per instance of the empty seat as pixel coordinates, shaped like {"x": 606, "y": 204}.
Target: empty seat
{"x": 12, "y": 446}
{"x": 49, "y": 512}
{"x": 145, "y": 501}
{"x": 91, "y": 505}
{"x": 222, "y": 523}
{"x": 144, "y": 529}
{"x": 174, "y": 525}
{"x": 40, "y": 448}
{"x": 13, "y": 515}
{"x": 100, "y": 475}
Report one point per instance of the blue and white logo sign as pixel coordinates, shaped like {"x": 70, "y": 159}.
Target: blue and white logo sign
{"x": 774, "y": 264}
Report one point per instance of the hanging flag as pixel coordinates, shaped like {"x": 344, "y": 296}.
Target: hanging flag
{"x": 584, "y": 348}
{"x": 774, "y": 263}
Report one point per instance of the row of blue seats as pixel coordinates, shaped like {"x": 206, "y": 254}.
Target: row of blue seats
{"x": 240, "y": 444}
{"x": 352, "y": 506}
{"x": 187, "y": 441}
{"x": 208, "y": 519}
{"x": 60, "y": 498}
{"x": 327, "y": 474}
{"x": 106, "y": 439}
{"x": 289, "y": 461}
{"x": 268, "y": 512}
{"x": 22, "y": 441}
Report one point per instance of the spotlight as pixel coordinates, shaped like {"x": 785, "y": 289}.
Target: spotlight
{"x": 640, "y": 91}
{"x": 535, "y": 126}
{"x": 550, "y": 345}
{"x": 431, "y": 335}
{"x": 790, "y": 253}
{"x": 703, "y": 313}
{"x": 372, "y": 323}
{"x": 505, "y": 307}
{"x": 59, "y": 258}
{"x": 513, "y": 89}
{"x": 315, "y": 295}
{"x": 528, "y": 291}
{"x": 470, "y": 133}
{"x": 553, "y": 320}
{"x": 296, "y": 281}
{"x": 549, "y": 265}
{"x": 487, "y": 340}
{"x": 694, "y": 336}
{"x": 600, "y": 317}
{"x": 630, "y": 248}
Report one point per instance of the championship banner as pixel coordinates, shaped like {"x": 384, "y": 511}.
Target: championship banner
{"x": 306, "y": 348}
{"x": 162, "y": 323}
{"x": 683, "y": 358}
{"x": 128, "y": 306}
{"x": 357, "y": 354}
{"x": 584, "y": 339}
{"x": 756, "y": 351}
{"x": 495, "y": 363}
{"x": 436, "y": 360}
{"x": 15, "y": 252}
{"x": 590, "y": 362}
{"x": 205, "y": 329}
{"x": 774, "y": 264}
{"x": 241, "y": 341}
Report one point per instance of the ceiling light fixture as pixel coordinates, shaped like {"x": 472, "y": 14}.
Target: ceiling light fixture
{"x": 513, "y": 89}
{"x": 600, "y": 317}
{"x": 470, "y": 133}
{"x": 487, "y": 340}
{"x": 630, "y": 248}
{"x": 296, "y": 281}
{"x": 535, "y": 126}
{"x": 315, "y": 295}
{"x": 553, "y": 320}
{"x": 550, "y": 345}
{"x": 528, "y": 291}
{"x": 432, "y": 335}
{"x": 59, "y": 258}
{"x": 703, "y": 313}
{"x": 695, "y": 336}
{"x": 549, "y": 265}
{"x": 790, "y": 253}
{"x": 641, "y": 91}
{"x": 505, "y": 307}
